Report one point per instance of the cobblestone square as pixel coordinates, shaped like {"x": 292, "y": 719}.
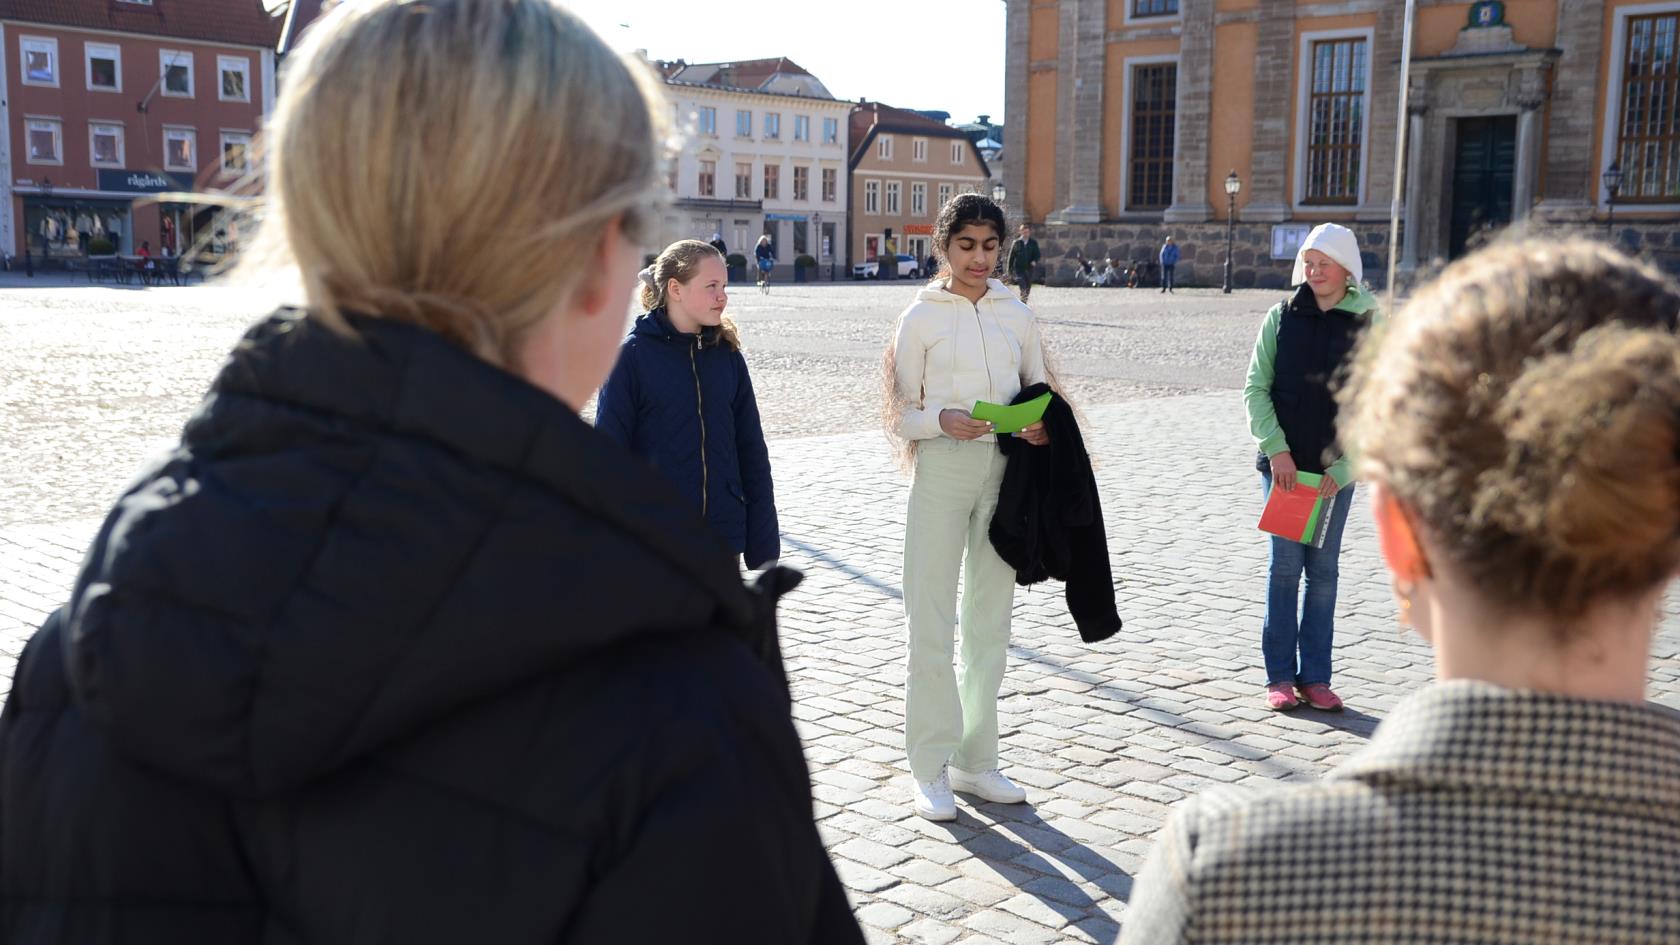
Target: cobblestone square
{"x": 1106, "y": 737}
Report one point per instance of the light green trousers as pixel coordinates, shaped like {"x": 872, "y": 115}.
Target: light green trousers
{"x": 951, "y": 715}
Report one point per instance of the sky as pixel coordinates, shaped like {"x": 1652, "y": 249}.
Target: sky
{"x": 944, "y": 55}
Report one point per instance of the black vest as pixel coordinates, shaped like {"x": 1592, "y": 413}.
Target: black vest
{"x": 1313, "y": 350}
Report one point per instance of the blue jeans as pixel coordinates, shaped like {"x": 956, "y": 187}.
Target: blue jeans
{"x": 1284, "y": 633}
{"x": 1169, "y": 277}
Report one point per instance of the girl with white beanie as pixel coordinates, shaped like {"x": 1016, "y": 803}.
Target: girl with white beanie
{"x": 1303, "y": 345}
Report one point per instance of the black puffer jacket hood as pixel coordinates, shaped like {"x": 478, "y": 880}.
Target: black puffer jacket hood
{"x": 285, "y": 647}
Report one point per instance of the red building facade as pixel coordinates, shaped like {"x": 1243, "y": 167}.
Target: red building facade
{"x": 106, "y": 104}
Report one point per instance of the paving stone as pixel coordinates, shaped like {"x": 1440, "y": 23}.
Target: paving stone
{"x": 884, "y": 915}
{"x": 930, "y": 932}
{"x": 1010, "y": 928}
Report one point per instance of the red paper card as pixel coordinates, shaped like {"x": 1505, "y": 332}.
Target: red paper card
{"x": 1296, "y": 515}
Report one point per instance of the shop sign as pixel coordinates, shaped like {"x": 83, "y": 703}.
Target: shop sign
{"x": 142, "y": 182}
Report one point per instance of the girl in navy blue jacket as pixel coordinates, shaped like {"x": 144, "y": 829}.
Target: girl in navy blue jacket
{"x": 680, "y": 397}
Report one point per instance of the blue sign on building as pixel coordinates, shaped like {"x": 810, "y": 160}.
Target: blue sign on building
{"x": 142, "y": 182}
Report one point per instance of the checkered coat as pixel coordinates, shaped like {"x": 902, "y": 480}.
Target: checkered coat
{"x": 1476, "y": 816}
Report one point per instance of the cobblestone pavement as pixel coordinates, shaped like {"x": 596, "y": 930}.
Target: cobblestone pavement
{"x": 1106, "y": 737}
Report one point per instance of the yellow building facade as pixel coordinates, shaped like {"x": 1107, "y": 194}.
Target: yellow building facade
{"x": 1134, "y": 113}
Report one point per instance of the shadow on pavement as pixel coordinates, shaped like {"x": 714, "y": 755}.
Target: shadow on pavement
{"x": 1024, "y": 848}
{"x": 820, "y": 556}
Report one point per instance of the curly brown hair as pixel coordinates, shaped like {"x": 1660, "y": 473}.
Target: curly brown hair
{"x": 1525, "y": 408}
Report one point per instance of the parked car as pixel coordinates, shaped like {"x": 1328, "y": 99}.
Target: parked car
{"x": 907, "y": 267}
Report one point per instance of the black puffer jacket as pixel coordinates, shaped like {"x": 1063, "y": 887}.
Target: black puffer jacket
{"x": 394, "y": 648}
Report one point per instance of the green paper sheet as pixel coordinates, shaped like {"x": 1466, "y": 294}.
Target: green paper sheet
{"x": 1012, "y": 418}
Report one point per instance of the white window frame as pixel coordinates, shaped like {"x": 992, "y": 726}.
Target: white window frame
{"x": 221, "y": 158}
{"x": 1303, "y": 100}
{"x": 872, "y": 197}
{"x": 959, "y": 153}
{"x": 700, "y": 176}
{"x": 884, "y": 147}
{"x": 894, "y": 203}
{"x": 705, "y": 120}
{"x": 748, "y": 177}
{"x": 918, "y": 198}
{"x": 239, "y": 64}
{"x": 1613, "y": 103}
{"x": 97, "y": 125}
{"x": 1127, "y": 67}
{"x": 831, "y": 131}
{"x": 772, "y": 126}
{"x": 793, "y": 178}
{"x": 175, "y": 57}
{"x": 918, "y": 150}
{"x": 109, "y": 51}
{"x": 30, "y": 124}
{"x": 46, "y": 44}
{"x": 830, "y": 195}
{"x": 1129, "y": 18}
{"x": 743, "y": 115}
{"x": 946, "y": 192}
{"x": 772, "y": 169}
{"x": 191, "y": 135}
{"x": 802, "y": 128}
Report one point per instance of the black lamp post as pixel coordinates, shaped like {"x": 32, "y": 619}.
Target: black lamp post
{"x": 1612, "y": 187}
{"x": 1233, "y": 186}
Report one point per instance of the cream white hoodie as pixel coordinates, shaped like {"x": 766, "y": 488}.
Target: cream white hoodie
{"x": 950, "y": 352}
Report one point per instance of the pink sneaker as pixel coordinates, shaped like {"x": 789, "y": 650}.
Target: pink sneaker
{"x": 1319, "y": 696}
{"x": 1280, "y": 697}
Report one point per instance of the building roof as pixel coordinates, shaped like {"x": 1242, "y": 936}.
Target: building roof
{"x": 745, "y": 74}
{"x": 780, "y": 76}
{"x": 871, "y": 118}
{"x": 237, "y": 22}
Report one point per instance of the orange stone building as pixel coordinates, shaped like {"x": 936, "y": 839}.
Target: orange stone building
{"x": 1132, "y": 114}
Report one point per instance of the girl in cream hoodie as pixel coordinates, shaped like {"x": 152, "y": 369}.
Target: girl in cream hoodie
{"x": 966, "y": 338}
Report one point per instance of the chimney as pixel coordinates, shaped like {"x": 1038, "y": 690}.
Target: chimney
{"x": 986, "y": 120}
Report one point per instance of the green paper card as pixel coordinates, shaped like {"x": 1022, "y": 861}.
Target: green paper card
{"x": 1012, "y": 418}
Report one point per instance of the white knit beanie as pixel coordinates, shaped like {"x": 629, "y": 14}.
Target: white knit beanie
{"x": 1335, "y": 241}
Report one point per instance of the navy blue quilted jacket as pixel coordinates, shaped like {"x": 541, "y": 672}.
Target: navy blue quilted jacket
{"x": 685, "y": 403}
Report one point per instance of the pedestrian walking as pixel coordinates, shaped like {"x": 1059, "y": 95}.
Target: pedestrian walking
{"x": 1169, "y": 265}
{"x": 965, "y": 338}
{"x": 1303, "y": 343}
{"x": 393, "y": 646}
{"x": 1023, "y": 259}
{"x": 719, "y": 245}
{"x": 1518, "y": 426}
{"x": 681, "y": 398}
{"x": 765, "y": 254}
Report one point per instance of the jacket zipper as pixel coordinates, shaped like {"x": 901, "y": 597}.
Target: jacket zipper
{"x": 985, "y": 354}
{"x": 700, "y": 411}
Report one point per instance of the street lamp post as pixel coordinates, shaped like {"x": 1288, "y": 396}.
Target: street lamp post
{"x": 1233, "y": 186}
{"x": 1612, "y": 187}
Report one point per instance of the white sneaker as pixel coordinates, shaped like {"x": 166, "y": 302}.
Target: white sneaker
{"x": 989, "y": 785}
{"x": 932, "y": 799}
